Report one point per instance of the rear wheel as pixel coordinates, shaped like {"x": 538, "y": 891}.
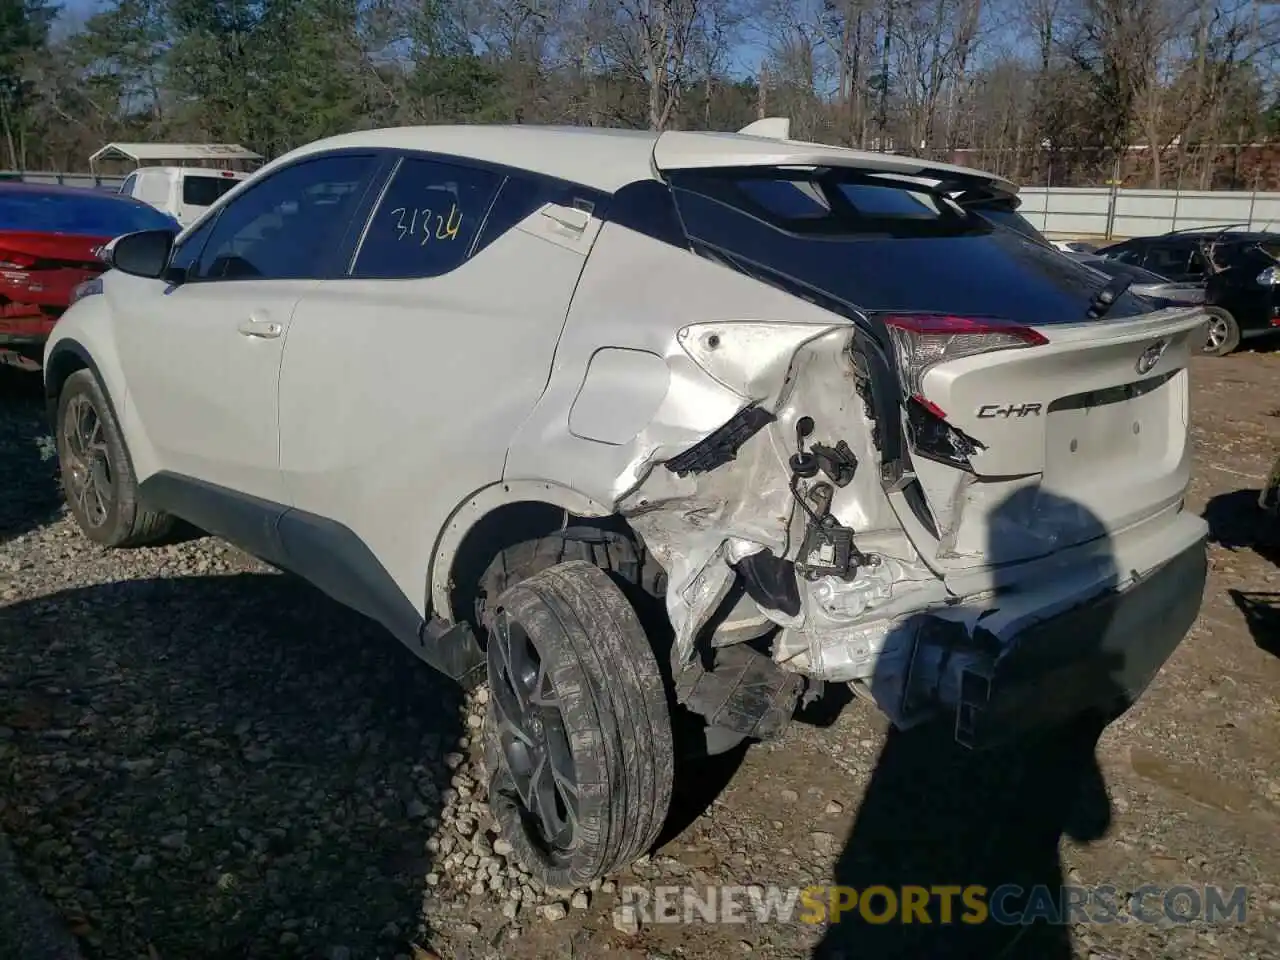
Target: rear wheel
{"x": 96, "y": 472}
{"x": 1222, "y": 334}
{"x": 643, "y": 582}
{"x": 578, "y": 741}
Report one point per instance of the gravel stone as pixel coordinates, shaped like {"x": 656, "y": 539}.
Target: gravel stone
{"x": 184, "y": 718}
{"x": 553, "y": 911}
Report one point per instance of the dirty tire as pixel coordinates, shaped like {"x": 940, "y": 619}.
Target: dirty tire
{"x": 122, "y": 521}
{"x": 641, "y": 576}
{"x": 1222, "y": 335}
{"x": 644, "y": 583}
{"x": 612, "y": 702}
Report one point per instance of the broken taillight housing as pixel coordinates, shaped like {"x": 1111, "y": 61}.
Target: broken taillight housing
{"x": 923, "y": 340}
{"x": 932, "y": 437}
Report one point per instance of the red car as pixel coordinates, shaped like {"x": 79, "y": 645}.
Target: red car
{"x": 49, "y": 236}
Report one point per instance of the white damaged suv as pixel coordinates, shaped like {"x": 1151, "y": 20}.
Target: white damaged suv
{"x": 649, "y": 426}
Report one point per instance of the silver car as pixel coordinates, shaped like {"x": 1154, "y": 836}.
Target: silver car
{"x": 642, "y": 427}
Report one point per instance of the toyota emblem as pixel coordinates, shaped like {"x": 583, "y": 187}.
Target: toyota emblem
{"x": 1151, "y": 356}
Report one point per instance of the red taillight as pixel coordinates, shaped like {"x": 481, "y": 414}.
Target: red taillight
{"x": 923, "y": 340}
{"x": 13, "y": 260}
{"x": 942, "y": 324}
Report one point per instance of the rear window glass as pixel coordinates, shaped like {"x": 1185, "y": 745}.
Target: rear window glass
{"x": 1007, "y": 216}
{"x": 875, "y": 201}
{"x": 204, "y": 191}
{"x": 786, "y": 198}
{"x": 883, "y": 247}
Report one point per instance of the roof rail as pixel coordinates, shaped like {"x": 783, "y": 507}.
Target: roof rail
{"x": 1222, "y": 228}
{"x": 772, "y": 128}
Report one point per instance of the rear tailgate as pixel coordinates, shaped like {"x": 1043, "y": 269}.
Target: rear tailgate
{"x": 1028, "y": 424}
{"x": 1086, "y": 434}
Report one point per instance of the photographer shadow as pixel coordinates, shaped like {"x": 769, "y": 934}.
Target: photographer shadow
{"x": 937, "y": 814}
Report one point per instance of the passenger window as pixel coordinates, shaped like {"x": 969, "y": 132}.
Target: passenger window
{"x": 126, "y": 188}
{"x": 282, "y": 228}
{"x": 1132, "y": 255}
{"x": 426, "y": 221}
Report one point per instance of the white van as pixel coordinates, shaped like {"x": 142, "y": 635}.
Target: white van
{"x": 183, "y": 192}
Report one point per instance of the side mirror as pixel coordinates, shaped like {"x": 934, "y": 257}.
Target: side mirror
{"x": 142, "y": 254}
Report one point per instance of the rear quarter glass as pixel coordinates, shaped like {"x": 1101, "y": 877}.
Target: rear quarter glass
{"x": 851, "y": 238}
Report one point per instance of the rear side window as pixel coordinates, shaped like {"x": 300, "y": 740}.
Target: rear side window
{"x": 426, "y": 221}
{"x": 883, "y": 246}
{"x": 204, "y": 191}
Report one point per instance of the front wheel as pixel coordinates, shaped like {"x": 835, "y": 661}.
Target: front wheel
{"x": 1222, "y": 334}
{"x": 96, "y": 472}
{"x": 578, "y": 742}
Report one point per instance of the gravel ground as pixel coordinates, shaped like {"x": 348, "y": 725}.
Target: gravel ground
{"x": 201, "y": 757}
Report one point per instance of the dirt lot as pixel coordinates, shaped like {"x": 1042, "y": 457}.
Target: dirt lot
{"x": 202, "y": 758}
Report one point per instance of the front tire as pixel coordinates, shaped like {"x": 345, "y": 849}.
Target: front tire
{"x": 96, "y": 472}
{"x": 1222, "y": 334}
{"x": 578, "y": 741}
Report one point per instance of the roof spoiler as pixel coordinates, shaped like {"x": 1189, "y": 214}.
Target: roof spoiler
{"x": 771, "y": 128}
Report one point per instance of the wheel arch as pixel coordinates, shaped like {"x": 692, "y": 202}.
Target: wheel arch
{"x": 65, "y": 357}
{"x": 495, "y": 518}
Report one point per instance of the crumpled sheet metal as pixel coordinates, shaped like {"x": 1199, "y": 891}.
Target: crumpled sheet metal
{"x": 700, "y": 524}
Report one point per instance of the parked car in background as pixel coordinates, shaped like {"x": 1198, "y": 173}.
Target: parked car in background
{"x": 49, "y": 238}
{"x": 1160, "y": 291}
{"x": 643, "y": 426}
{"x": 1146, "y": 284}
{"x": 182, "y": 192}
{"x": 1075, "y": 246}
{"x": 1239, "y": 271}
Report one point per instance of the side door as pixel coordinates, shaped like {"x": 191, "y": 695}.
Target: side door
{"x": 202, "y": 351}
{"x": 404, "y": 381}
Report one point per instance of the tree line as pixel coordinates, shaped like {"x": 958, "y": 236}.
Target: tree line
{"x": 1060, "y": 91}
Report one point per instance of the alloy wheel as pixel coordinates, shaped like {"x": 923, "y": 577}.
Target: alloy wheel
{"x": 1218, "y": 332}
{"x": 532, "y": 738}
{"x": 87, "y": 470}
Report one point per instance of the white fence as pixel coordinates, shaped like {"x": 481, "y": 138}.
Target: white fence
{"x": 1109, "y": 212}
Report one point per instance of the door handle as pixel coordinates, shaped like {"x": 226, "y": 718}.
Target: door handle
{"x": 263, "y": 329}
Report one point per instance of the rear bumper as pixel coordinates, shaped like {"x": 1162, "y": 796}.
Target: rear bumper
{"x": 1093, "y": 659}
{"x": 25, "y": 332}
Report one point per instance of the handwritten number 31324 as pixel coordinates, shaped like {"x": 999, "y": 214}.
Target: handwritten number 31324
{"x": 413, "y": 222}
